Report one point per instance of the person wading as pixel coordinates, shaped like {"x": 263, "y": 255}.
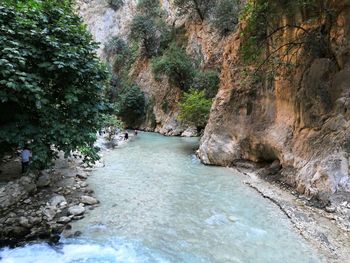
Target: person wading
{"x": 25, "y": 156}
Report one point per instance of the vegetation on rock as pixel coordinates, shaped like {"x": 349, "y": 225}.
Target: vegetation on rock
{"x": 199, "y": 8}
{"x": 176, "y": 65}
{"x": 195, "y": 108}
{"x": 131, "y": 105}
{"x": 115, "y": 4}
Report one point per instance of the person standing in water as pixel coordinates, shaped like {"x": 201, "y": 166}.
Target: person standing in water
{"x": 126, "y": 136}
{"x": 26, "y": 154}
{"x": 135, "y": 133}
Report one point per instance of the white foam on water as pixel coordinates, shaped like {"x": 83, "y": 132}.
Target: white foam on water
{"x": 80, "y": 252}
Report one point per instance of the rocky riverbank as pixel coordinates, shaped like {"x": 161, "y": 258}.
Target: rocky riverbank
{"x": 40, "y": 206}
{"x": 325, "y": 226}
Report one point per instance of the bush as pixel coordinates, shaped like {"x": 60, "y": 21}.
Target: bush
{"x": 131, "y": 105}
{"x": 176, "y": 65}
{"x": 115, "y": 4}
{"x": 143, "y": 30}
{"x": 150, "y": 8}
{"x": 117, "y": 50}
{"x": 51, "y": 82}
{"x": 195, "y": 108}
{"x": 226, "y": 15}
{"x": 208, "y": 81}
{"x": 198, "y": 8}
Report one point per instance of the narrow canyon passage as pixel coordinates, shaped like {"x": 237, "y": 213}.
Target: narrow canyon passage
{"x": 160, "y": 204}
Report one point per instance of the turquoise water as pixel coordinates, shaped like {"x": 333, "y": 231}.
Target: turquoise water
{"x": 160, "y": 204}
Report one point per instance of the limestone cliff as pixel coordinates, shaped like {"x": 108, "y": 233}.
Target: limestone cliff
{"x": 162, "y": 98}
{"x": 300, "y": 118}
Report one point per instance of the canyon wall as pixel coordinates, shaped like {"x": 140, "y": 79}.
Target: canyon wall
{"x": 300, "y": 119}
{"x": 162, "y": 98}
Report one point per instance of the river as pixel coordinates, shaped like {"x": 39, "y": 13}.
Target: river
{"x": 160, "y": 204}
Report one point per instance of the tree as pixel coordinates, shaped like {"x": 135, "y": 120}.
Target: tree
{"x": 150, "y": 8}
{"x": 201, "y": 8}
{"x": 131, "y": 105}
{"x": 143, "y": 30}
{"x": 208, "y": 81}
{"x": 119, "y": 52}
{"x": 226, "y": 15}
{"x": 195, "y": 108}
{"x": 51, "y": 82}
{"x": 176, "y": 65}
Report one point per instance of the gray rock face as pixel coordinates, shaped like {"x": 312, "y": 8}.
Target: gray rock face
{"x": 85, "y": 199}
{"x": 57, "y": 199}
{"x": 76, "y": 210}
{"x": 301, "y": 119}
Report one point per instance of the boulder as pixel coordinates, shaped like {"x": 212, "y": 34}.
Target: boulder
{"x": 76, "y": 210}
{"x": 190, "y": 132}
{"x": 28, "y": 184}
{"x": 85, "y": 199}
{"x": 49, "y": 212}
{"x": 57, "y": 200}
{"x": 44, "y": 180}
{"x": 24, "y": 222}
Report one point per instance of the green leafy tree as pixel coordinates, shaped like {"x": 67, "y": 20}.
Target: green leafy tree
{"x": 207, "y": 81}
{"x": 199, "y": 8}
{"x": 118, "y": 53}
{"x": 226, "y": 15}
{"x": 150, "y": 8}
{"x": 51, "y": 82}
{"x": 143, "y": 30}
{"x": 176, "y": 65}
{"x": 195, "y": 108}
{"x": 131, "y": 105}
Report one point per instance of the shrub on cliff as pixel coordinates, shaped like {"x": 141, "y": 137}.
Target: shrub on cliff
{"x": 118, "y": 53}
{"x": 176, "y": 65}
{"x": 51, "y": 82}
{"x": 195, "y": 108}
{"x": 208, "y": 81}
{"x": 115, "y": 4}
{"x": 131, "y": 105}
{"x": 143, "y": 31}
{"x": 196, "y": 8}
{"x": 226, "y": 15}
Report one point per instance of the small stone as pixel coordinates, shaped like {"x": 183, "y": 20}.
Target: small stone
{"x": 57, "y": 200}
{"x": 76, "y": 210}
{"x": 64, "y": 220}
{"x": 49, "y": 212}
{"x": 330, "y": 209}
{"x": 27, "y": 201}
{"x": 88, "y": 200}
{"x": 82, "y": 176}
{"x": 84, "y": 184}
{"x": 24, "y": 222}
{"x": 78, "y": 217}
{"x": 232, "y": 219}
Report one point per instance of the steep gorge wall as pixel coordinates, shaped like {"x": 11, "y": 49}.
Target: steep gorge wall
{"x": 302, "y": 119}
{"x": 161, "y": 97}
